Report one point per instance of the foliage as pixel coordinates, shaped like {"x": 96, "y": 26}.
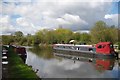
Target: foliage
{"x": 29, "y": 39}
{"x": 119, "y": 45}
{"x": 119, "y": 34}
{"x": 99, "y": 32}
{"x": 85, "y": 37}
{"x": 76, "y": 36}
{"x": 7, "y": 39}
{"x": 63, "y": 35}
{"x": 18, "y": 34}
{"x": 102, "y": 32}
{"x": 17, "y": 68}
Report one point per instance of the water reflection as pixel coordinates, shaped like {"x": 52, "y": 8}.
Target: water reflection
{"x": 42, "y": 51}
{"x": 23, "y": 57}
{"x": 100, "y": 64}
{"x": 52, "y": 65}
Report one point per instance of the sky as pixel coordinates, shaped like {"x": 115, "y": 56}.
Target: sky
{"x": 29, "y": 16}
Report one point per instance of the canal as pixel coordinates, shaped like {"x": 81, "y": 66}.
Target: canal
{"x": 50, "y": 65}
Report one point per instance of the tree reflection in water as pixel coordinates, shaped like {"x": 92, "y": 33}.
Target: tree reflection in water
{"x": 43, "y": 51}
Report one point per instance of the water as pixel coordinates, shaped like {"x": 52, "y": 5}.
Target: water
{"x": 50, "y": 65}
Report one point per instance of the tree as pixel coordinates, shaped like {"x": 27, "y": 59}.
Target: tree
{"x": 63, "y": 35}
{"x": 102, "y": 32}
{"x": 39, "y": 37}
{"x": 113, "y": 33}
{"x": 118, "y": 34}
{"x": 18, "y": 34}
{"x": 30, "y": 39}
{"x": 85, "y": 37}
{"x": 50, "y": 37}
{"x": 76, "y": 36}
{"x": 18, "y": 37}
{"x": 23, "y": 41}
{"x": 98, "y": 32}
{"x": 7, "y": 39}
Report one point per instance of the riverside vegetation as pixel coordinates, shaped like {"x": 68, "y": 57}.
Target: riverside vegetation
{"x": 17, "y": 68}
{"x": 99, "y": 32}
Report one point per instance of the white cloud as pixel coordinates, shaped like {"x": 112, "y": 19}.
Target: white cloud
{"x": 61, "y": 0}
{"x": 71, "y": 19}
{"x": 23, "y": 10}
{"x": 7, "y": 29}
{"x": 25, "y": 25}
{"x": 72, "y": 14}
{"x": 74, "y": 19}
{"x": 113, "y": 17}
{"x": 4, "y": 19}
{"x": 48, "y": 13}
{"x": 62, "y": 21}
{"x": 17, "y": 0}
{"x": 5, "y": 25}
{"x": 23, "y": 22}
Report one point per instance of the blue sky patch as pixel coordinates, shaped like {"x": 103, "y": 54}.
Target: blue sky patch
{"x": 114, "y": 8}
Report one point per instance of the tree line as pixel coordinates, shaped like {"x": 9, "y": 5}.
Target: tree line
{"x": 99, "y": 32}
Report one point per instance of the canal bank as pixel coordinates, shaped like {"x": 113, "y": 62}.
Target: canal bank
{"x": 16, "y": 68}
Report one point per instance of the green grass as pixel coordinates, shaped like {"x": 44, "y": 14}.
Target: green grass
{"x": 17, "y": 68}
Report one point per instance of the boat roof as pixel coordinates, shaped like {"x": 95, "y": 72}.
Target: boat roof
{"x": 64, "y": 44}
{"x": 104, "y": 43}
{"x": 73, "y": 45}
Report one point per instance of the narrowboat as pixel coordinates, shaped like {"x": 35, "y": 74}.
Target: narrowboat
{"x": 101, "y": 49}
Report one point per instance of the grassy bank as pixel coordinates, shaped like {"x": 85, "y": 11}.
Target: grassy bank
{"x": 17, "y": 68}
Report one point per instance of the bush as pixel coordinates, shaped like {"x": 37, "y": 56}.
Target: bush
{"x": 119, "y": 45}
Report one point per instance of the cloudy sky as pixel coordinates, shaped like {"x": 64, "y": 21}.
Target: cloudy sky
{"x": 30, "y": 16}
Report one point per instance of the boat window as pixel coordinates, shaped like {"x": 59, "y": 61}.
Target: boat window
{"x": 100, "y": 46}
{"x": 94, "y": 49}
{"x": 90, "y": 49}
{"x": 57, "y": 46}
{"x": 77, "y": 48}
{"x": 111, "y": 46}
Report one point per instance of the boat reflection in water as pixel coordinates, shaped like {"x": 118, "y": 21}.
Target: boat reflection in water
{"x": 100, "y": 64}
{"x": 21, "y": 51}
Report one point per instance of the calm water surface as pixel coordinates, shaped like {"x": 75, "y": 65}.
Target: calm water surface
{"x": 52, "y": 65}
